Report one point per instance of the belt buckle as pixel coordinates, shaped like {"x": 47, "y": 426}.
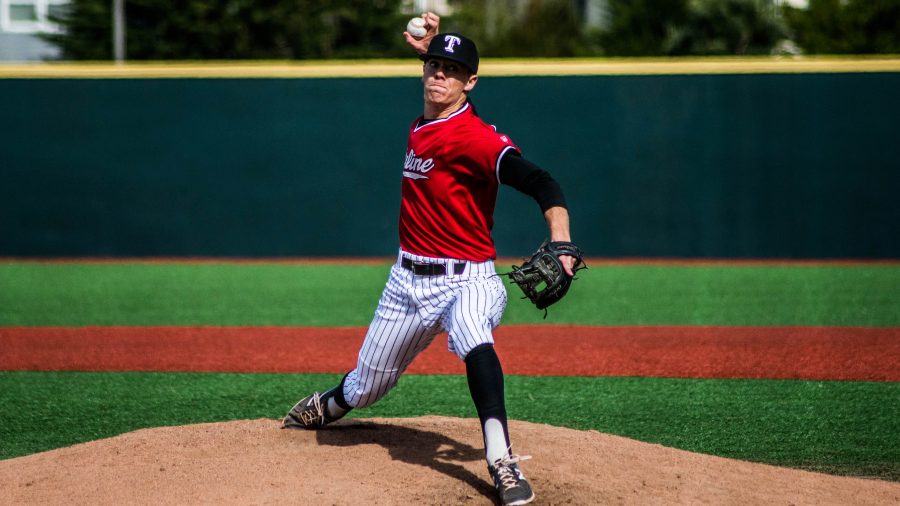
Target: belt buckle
{"x": 423, "y": 268}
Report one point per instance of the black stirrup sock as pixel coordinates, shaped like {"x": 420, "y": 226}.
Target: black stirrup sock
{"x": 485, "y": 377}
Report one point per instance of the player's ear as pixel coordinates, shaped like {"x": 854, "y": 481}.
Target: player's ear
{"x": 470, "y": 84}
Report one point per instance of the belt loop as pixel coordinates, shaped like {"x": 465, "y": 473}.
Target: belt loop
{"x": 459, "y": 268}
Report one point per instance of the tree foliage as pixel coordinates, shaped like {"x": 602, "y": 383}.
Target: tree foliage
{"x": 692, "y": 27}
{"x": 847, "y": 26}
{"x": 302, "y": 29}
{"x": 535, "y": 28}
{"x": 239, "y": 29}
{"x": 641, "y": 27}
{"x": 721, "y": 27}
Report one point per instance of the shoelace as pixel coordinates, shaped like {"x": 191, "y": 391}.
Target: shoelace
{"x": 505, "y": 473}
{"x": 315, "y": 415}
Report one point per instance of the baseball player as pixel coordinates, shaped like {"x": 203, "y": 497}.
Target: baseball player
{"x": 444, "y": 277}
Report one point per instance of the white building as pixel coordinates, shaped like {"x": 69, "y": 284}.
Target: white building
{"x": 800, "y": 4}
{"x": 20, "y": 23}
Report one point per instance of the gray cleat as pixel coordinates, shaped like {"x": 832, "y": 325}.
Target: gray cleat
{"x": 309, "y": 413}
{"x": 510, "y": 482}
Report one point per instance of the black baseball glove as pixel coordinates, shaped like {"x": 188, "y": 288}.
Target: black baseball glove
{"x": 543, "y": 278}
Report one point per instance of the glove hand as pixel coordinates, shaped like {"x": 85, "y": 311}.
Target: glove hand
{"x": 568, "y": 263}
{"x": 545, "y": 278}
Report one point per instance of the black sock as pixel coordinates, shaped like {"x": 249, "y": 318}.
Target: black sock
{"x": 485, "y": 377}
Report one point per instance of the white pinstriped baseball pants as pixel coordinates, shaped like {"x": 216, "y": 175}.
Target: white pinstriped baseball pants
{"x": 413, "y": 309}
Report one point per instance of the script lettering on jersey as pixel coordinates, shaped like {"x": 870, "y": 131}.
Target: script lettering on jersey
{"x": 415, "y": 167}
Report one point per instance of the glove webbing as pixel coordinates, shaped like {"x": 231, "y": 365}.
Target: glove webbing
{"x": 545, "y": 268}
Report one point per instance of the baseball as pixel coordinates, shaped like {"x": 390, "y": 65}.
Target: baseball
{"x": 416, "y": 27}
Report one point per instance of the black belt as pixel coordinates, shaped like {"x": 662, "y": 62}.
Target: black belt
{"x": 422, "y": 269}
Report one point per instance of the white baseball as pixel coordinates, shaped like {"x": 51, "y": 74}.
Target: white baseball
{"x": 416, "y": 27}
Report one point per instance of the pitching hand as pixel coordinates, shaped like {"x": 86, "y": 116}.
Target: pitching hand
{"x": 432, "y": 23}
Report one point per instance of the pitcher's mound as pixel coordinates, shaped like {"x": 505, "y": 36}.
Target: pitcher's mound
{"x": 429, "y": 460}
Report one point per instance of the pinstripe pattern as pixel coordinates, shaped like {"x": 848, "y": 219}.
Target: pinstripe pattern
{"x": 412, "y": 311}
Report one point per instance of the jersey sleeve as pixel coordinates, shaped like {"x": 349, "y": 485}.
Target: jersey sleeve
{"x": 482, "y": 152}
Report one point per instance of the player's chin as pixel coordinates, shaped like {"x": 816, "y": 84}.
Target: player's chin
{"x": 437, "y": 97}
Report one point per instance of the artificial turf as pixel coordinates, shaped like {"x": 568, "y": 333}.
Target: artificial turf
{"x": 839, "y": 427}
{"x": 73, "y": 294}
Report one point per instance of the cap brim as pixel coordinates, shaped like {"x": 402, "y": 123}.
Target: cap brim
{"x": 426, "y": 56}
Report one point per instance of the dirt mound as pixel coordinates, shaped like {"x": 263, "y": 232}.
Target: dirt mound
{"x": 428, "y": 460}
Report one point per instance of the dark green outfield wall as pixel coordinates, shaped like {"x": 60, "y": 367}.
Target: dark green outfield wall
{"x": 696, "y": 166}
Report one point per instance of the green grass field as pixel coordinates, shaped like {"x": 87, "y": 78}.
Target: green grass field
{"x": 331, "y": 295}
{"x": 840, "y": 427}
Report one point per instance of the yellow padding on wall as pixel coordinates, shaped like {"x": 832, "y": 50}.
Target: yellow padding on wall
{"x": 412, "y": 68}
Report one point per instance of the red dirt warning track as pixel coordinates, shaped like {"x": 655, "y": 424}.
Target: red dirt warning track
{"x": 816, "y": 353}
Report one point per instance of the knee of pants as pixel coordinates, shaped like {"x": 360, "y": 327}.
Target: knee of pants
{"x": 362, "y": 390}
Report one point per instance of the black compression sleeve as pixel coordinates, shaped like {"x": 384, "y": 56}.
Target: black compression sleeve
{"x": 531, "y": 180}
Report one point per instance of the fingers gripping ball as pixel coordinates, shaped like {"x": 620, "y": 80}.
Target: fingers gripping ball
{"x": 416, "y": 27}
{"x": 543, "y": 278}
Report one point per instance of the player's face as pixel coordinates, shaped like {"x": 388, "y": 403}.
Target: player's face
{"x": 446, "y": 81}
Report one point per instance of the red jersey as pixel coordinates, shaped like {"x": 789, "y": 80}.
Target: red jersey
{"x": 450, "y": 183}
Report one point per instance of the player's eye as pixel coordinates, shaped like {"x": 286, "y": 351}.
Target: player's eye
{"x": 451, "y": 68}
{"x": 434, "y": 64}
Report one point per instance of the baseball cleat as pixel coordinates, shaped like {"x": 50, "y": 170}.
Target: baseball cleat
{"x": 510, "y": 482}
{"x": 309, "y": 413}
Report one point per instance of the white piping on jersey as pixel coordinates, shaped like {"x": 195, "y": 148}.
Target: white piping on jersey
{"x": 457, "y": 113}
{"x": 499, "y": 159}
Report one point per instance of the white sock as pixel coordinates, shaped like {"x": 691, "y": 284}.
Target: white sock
{"x": 495, "y": 446}
{"x": 333, "y": 410}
